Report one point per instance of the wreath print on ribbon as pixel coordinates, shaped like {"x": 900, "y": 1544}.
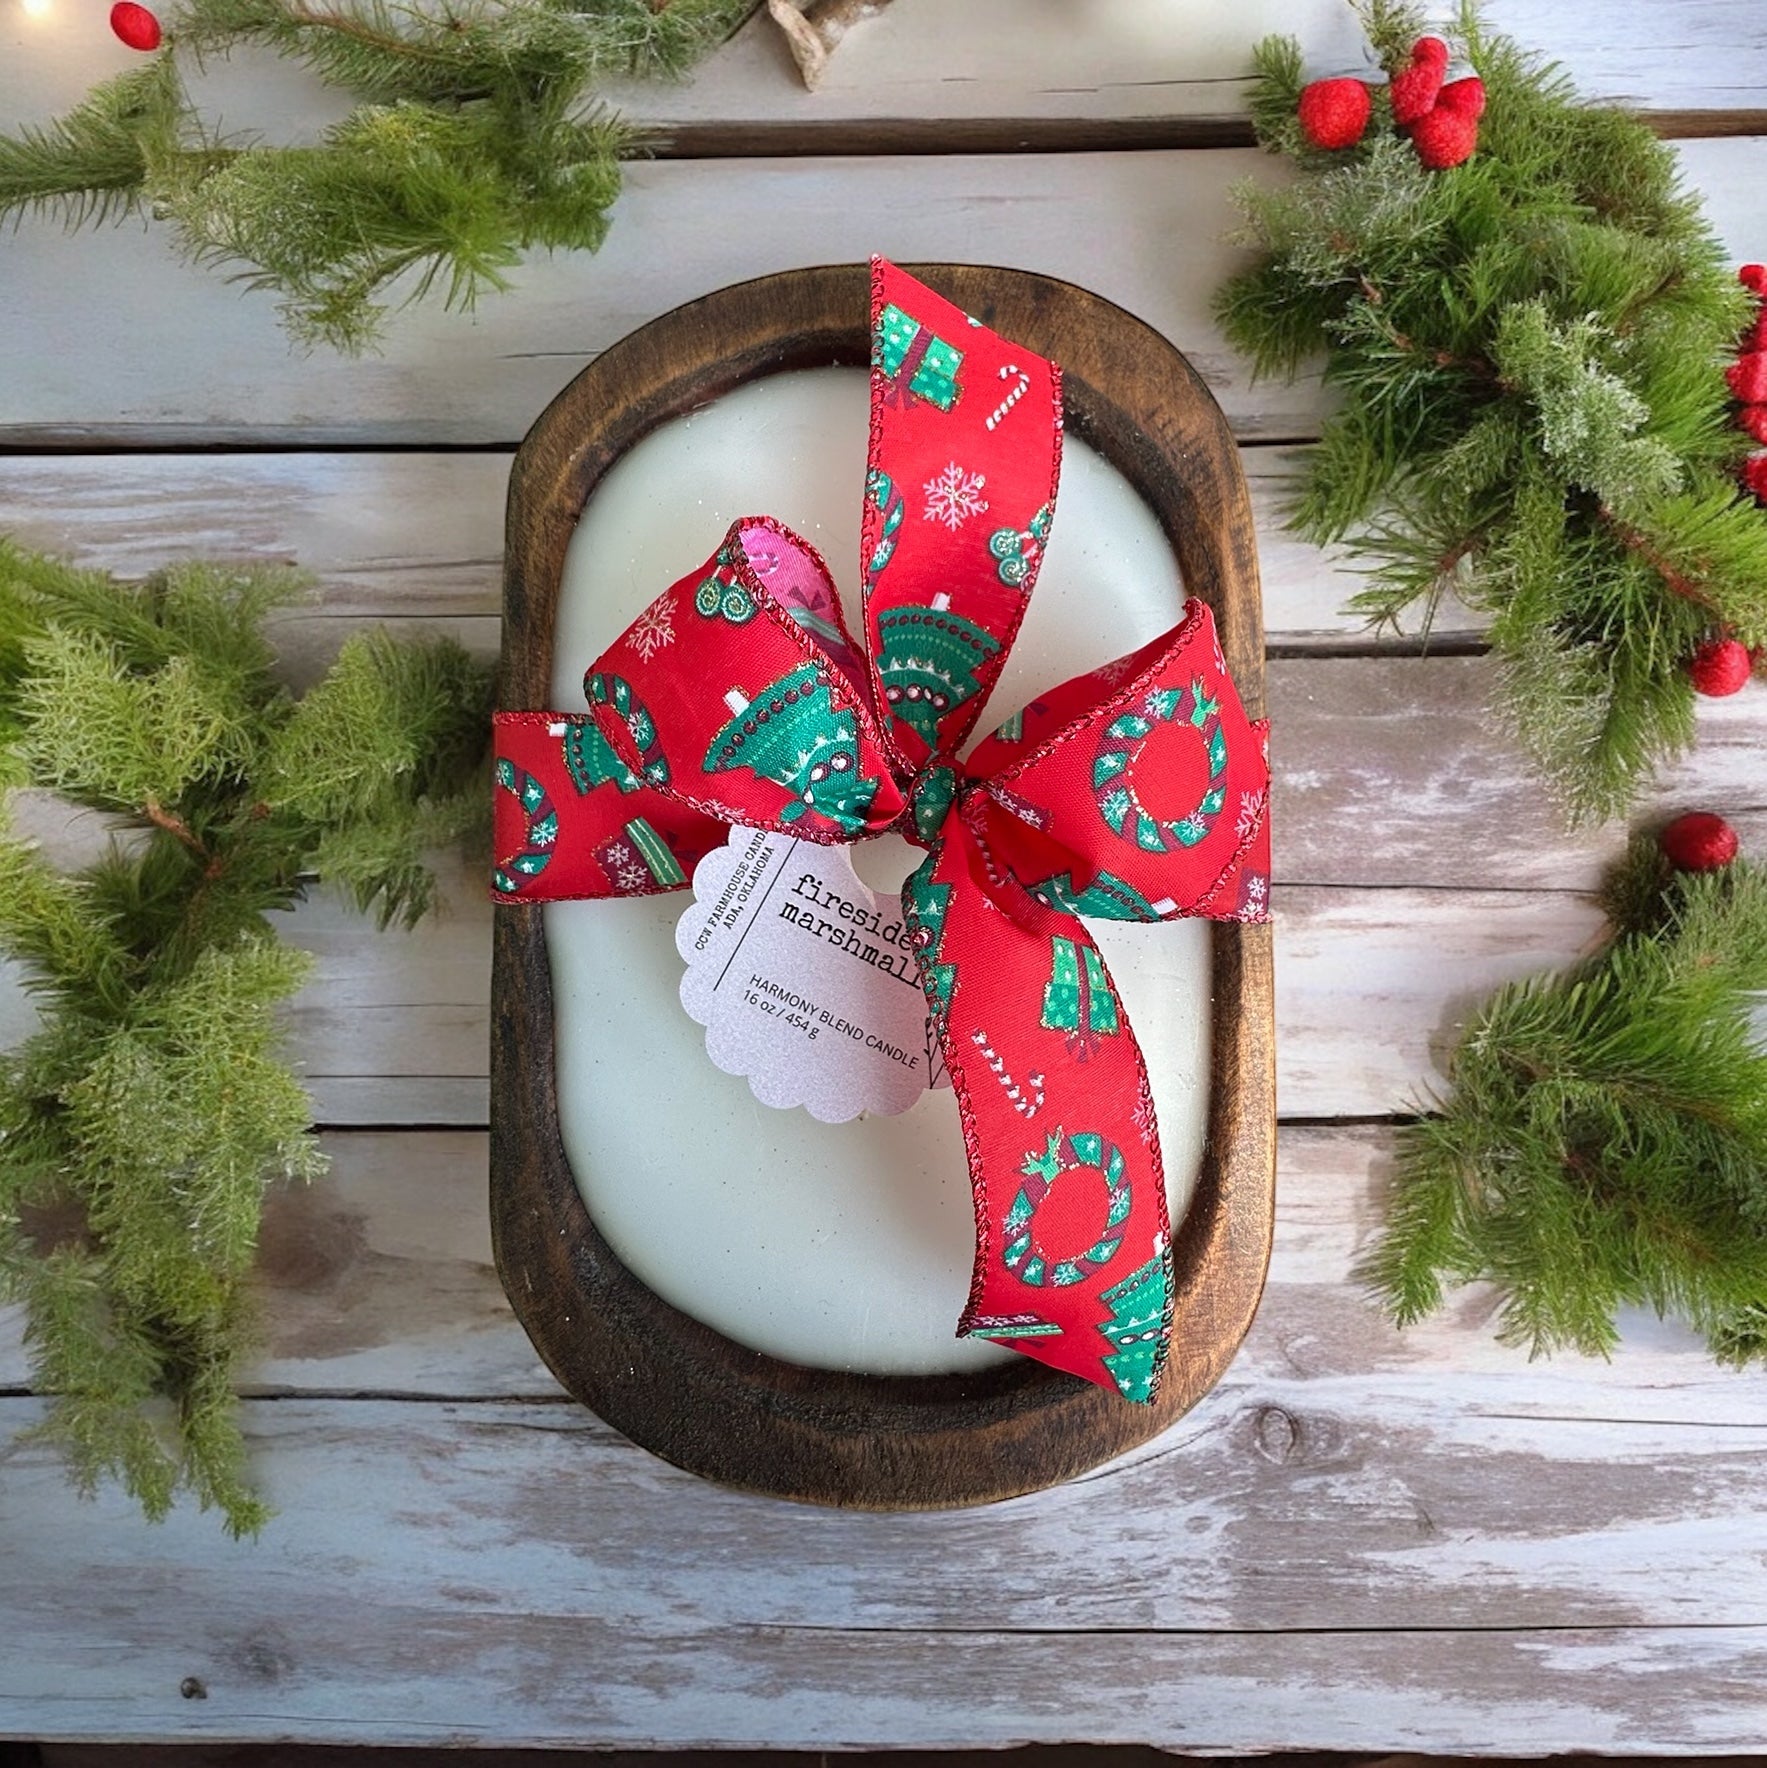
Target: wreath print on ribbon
{"x": 1027, "y": 1255}
{"x": 771, "y": 712}
{"x": 1124, "y": 739}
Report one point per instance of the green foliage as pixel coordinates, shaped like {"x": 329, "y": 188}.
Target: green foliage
{"x": 1530, "y": 412}
{"x": 141, "y": 1123}
{"x": 1605, "y": 1140}
{"x": 476, "y": 139}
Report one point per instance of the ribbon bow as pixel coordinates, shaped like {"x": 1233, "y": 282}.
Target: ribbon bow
{"x": 1138, "y": 791}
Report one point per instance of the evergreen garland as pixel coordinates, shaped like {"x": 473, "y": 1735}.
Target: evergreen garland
{"x": 1527, "y": 352}
{"x": 1605, "y": 1142}
{"x": 475, "y": 141}
{"x": 141, "y": 1123}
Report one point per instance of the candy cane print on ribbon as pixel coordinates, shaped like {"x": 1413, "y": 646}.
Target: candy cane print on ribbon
{"x": 1019, "y": 1097}
{"x": 1018, "y": 392}
{"x": 605, "y": 689}
{"x": 541, "y": 832}
{"x": 757, "y": 716}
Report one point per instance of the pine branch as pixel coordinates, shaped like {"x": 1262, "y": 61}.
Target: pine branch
{"x": 478, "y": 139}
{"x": 1526, "y": 354}
{"x": 140, "y": 1126}
{"x": 1603, "y": 1143}
{"x": 92, "y": 165}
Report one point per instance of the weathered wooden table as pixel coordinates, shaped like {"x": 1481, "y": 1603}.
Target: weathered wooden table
{"x": 1361, "y": 1540}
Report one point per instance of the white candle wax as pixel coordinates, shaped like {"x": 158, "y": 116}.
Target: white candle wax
{"x": 837, "y": 1245}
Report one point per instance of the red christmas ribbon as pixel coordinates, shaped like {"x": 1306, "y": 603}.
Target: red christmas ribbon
{"x": 1136, "y": 792}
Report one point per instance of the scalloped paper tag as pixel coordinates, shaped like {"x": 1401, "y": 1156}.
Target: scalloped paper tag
{"x": 804, "y": 980}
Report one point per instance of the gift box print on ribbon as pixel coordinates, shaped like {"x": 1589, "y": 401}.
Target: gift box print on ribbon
{"x": 1136, "y": 791}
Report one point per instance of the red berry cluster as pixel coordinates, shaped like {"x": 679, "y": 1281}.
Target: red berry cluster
{"x": 1723, "y": 665}
{"x": 1748, "y": 378}
{"x": 1440, "y": 115}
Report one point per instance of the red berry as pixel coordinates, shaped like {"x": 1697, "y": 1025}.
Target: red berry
{"x": 1466, "y": 96}
{"x": 1699, "y": 842}
{"x": 1753, "y": 419}
{"x": 1719, "y": 667}
{"x": 1753, "y": 276}
{"x": 1747, "y": 376}
{"x": 1415, "y": 88}
{"x": 135, "y": 25}
{"x": 1445, "y": 138}
{"x": 1334, "y": 113}
{"x": 1754, "y": 476}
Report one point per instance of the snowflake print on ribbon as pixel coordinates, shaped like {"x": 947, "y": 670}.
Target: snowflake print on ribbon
{"x": 1143, "y": 1118}
{"x": 953, "y": 496}
{"x": 1251, "y": 811}
{"x": 654, "y": 629}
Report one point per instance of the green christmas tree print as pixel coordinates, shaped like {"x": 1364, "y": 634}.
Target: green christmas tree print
{"x": 1077, "y": 999}
{"x": 792, "y": 733}
{"x": 1107, "y": 898}
{"x": 590, "y": 759}
{"x": 930, "y": 662}
{"x": 1138, "y": 1319}
{"x": 926, "y": 905}
{"x": 914, "y": 361}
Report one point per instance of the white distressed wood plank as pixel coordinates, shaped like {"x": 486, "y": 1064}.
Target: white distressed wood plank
{"x": 1369, "y": 982}
{"x": 415, "y": 540}
{"x": 1372, "y": 986}
{"x": 378, "y": 1281}
{"x": 1276, "y": 1571}
{"x": 995, "y": 60}
{"x": 188, "y": 357}
{"x": 1390, "y": 770}
{"x": 1152, "y": 59}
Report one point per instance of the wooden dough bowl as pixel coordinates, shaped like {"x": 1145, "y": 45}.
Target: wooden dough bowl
{"x": 672, "y": 1384}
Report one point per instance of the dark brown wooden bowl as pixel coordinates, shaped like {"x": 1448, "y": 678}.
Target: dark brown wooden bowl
{"x": 672, "y": 1384}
